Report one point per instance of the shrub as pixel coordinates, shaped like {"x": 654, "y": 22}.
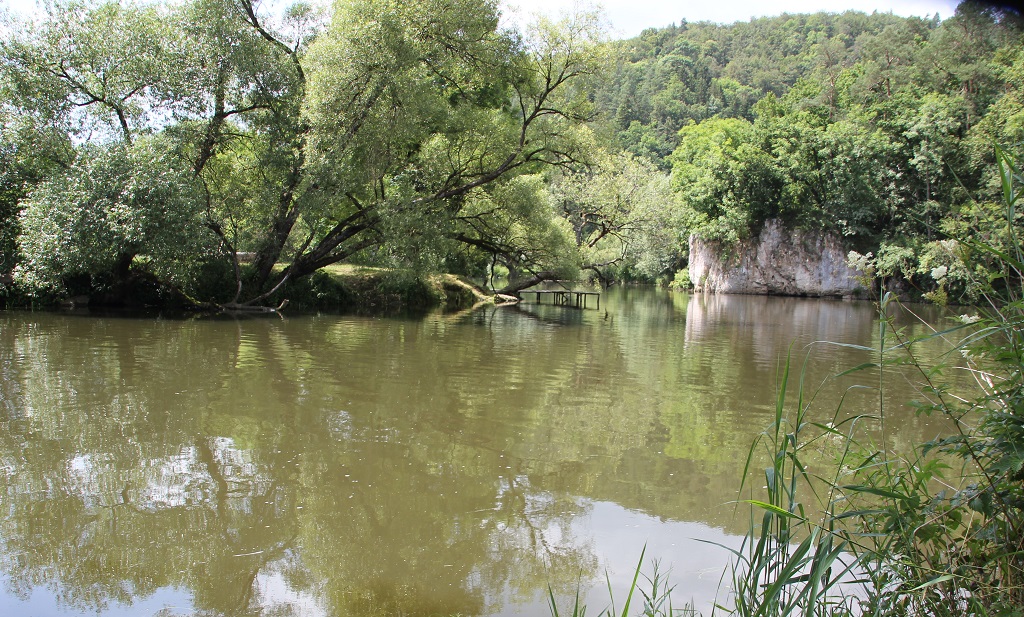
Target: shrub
{"x": 681, "y": 281}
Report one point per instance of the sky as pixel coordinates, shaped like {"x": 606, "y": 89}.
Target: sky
{"x": 629, "y": 17}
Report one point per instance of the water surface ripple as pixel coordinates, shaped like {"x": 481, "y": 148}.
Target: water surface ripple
{"x": 343, "y": 465}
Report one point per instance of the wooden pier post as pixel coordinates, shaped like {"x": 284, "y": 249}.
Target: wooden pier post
{"x": 560, "y": 297}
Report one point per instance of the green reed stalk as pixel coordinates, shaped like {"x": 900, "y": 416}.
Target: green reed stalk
{"x": 657, "y": 601}
{"x": 789, "y": 564}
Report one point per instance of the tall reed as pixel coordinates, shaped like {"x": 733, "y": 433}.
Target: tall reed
{"x": 656, "y": 596}
{"x": 790, "y": 562}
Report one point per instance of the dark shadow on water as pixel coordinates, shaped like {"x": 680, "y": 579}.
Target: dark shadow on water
{"x": 149, "y": 314}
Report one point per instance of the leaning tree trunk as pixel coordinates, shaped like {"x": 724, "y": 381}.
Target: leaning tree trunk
{"x": 517, "y": 285}
{"x": 284, "y": 221}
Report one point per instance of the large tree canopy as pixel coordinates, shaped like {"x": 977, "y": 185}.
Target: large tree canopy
{"x": 307, "y": 140}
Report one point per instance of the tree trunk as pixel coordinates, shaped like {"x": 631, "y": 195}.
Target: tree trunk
{"x": 123, "y": 267}
{"x": 517, "y": 285}
{"x": 270, "y": 252}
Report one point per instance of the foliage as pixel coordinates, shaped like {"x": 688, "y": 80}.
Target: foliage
{"x": 829, "y": 171}
{"x": 521, "y": 219}
{"x": 722, "y": 181}
{"x": 313, "y": 141}
{"x": 420, "y": 130}
{"x": 395, "y": 134}
{"x": 27, "y": 156}
{"x": 681, "y": 280}
{"x": 918, "y": 542}
{"x": 826, "y": 122}
{"x": 992, "y": 561}
{"x": 690, "y": 72}
{"x": 90, "y": 69}
{"x": 114, "y": 205}
{"x": 952, "y": 268}
{"x": 620, "y": 212}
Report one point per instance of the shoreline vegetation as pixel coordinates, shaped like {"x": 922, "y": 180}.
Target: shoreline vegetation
{"x": 339, "y": 288}
{"x": 937, "y": 531}
{"x": 147, "y": 147}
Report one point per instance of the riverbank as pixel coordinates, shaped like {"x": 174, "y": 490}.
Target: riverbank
{"x": 338, "y": 288}
{"x": 351, "y": 288}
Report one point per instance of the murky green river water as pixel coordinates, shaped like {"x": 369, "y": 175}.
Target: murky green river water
{"x": 343, "y": 465}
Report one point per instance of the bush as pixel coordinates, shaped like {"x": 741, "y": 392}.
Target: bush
{"x": 114, "y": 204}
{"x": 681, "y": 281}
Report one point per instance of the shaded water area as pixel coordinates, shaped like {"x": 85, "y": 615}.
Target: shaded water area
{"x": 440, "y": 465}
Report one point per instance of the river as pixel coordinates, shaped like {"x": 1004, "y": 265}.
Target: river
{"x": 437, "y": 465}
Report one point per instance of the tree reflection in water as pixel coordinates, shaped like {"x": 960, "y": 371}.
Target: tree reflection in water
{"x": 345, "y": 465}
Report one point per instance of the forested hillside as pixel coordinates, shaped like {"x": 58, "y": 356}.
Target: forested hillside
{"x": 667, "y": 78}
{"x": 227, "y": 153}
{"x": 878, "y": 127}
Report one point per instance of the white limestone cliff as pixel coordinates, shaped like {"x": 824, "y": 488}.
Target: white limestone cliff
{"x": 779, "y": 261}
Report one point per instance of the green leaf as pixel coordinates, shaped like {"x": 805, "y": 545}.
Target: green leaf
{"x": 874, "y": 491}
{"x": 773, "y": 509}
{"x": 934, "y": 581}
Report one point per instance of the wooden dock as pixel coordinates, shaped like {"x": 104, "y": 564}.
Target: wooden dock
{"x": 559, "y": 297}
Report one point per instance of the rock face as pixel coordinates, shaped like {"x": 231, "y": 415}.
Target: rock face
{"x": 780, "y": 262}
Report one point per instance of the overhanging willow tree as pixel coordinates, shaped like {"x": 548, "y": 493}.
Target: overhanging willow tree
{"x": 416, "y": 110}
{"x": 309, "y": 139}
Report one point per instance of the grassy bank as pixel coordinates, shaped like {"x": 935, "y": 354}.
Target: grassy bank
{"x": 344, "y": 287}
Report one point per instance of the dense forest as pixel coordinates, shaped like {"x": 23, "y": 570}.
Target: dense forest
{"x": 217, "y": 154}
{"x": 876, "y": 127}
